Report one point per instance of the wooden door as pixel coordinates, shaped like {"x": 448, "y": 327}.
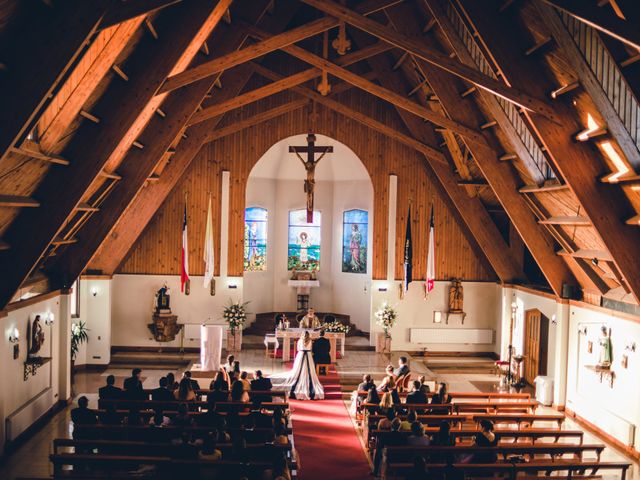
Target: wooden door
{"x": 536, "y": 338}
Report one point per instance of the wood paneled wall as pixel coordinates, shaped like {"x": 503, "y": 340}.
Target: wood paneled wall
{"x": 158, "y": 249}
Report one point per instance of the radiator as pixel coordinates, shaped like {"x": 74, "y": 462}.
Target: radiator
{"x": 28, "y": 414}
{"x": 607, "y": 421}
{"x": 472, "y": 336}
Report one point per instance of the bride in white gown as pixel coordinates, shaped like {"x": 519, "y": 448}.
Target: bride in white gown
{"x": 301, "y": 381}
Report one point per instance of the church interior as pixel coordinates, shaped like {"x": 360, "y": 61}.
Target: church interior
{"x": 422, "y": 217}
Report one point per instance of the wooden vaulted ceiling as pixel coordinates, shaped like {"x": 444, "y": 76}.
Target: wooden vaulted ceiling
{"x": 526, "y": 112}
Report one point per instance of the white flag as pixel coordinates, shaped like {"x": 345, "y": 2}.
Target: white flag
{"x": 208, "y": 249}
{"x": 431, "y": 258}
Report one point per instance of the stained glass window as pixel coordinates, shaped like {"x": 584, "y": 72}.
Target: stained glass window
{"x": 304, "y": 241}
{"x": 255, "y": 239}
{"x": 355, "y": 224}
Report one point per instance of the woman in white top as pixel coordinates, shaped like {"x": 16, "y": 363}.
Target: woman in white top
{"x": 301, "y": 381}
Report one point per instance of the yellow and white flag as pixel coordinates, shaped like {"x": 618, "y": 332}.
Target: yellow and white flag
{"x": 208, "y": 248}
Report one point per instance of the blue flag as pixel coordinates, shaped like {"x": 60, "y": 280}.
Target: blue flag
{"x": 408, "y": 255}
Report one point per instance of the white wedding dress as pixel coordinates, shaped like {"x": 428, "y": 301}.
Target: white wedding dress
{"x": 301, "y": 381}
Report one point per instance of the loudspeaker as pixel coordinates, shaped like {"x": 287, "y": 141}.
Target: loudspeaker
{"x": 571, "y": 292}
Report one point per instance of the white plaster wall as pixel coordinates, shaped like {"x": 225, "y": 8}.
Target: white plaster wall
{"x": 481, "y": 304}
{"x": 133, "y": 297}
{"x": 95, "y": 311}
{"x": 17, "y": 393}
{"x": 609, "y": 408}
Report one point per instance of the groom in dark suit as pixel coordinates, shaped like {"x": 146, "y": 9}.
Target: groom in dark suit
{"x": 321, "y": 350}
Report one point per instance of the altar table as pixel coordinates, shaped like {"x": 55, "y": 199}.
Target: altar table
{"x": 295, "y": 333}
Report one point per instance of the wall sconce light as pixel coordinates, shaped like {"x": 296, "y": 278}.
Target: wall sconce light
{"x": 554, "y": 320}
{"x": 94, "y": 291}
{"x": 15, "y": 335}
{"x": 49, "y": 319}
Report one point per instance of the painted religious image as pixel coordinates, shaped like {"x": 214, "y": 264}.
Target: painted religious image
{"x": 255, "y": 239}
{"x": 304, "y": 241}
{"x": 355, "y": 224}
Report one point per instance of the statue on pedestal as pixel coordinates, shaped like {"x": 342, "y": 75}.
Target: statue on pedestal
{"x": 163, "y": 299}
{"x": 456, "y": 297}
{"x": 604, "y": 358}
{"x": 36, "y": 339}
{"x": 165, "y": 326}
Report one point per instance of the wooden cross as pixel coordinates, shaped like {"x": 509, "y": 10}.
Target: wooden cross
{"x": 310, "y": 166}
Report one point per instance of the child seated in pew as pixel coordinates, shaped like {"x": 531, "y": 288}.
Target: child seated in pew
{"x": 159, "y": 419}
{"x": 405, "y": 425}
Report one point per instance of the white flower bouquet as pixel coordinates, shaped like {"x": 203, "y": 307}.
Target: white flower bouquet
{"x": 386, "y": 317}
{"x": 235, "y": 314}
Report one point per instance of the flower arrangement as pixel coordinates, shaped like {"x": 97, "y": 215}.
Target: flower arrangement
{"x": 386, "y": 317}
{"x": 336, "y": 327}
{"x": 235, "y": 314}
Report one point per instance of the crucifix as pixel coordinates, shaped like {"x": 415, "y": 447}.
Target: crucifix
{"x": 310, "y": 166}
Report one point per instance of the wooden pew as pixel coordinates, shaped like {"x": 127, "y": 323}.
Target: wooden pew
{"x": 473, "y": 395}
{"x": 196, "y": 405}
{"x": 510, "y": 470}
{"x": 467, "y": 407}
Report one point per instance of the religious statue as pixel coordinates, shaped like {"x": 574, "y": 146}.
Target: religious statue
{"x": 36, "y": 339}
{"x": 310, "y": 320}
{"x": 310, "y": 167}
{"x": 163, "y": 297}
{"x": 604, "y": 358}
{"x": 456, "y": 296}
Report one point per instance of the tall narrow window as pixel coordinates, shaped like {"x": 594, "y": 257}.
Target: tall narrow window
{"x": 255, "y": 239}
{"x": 75, "y": 299}
{"x": 304, "y": 241}
{"x": 355, "y": 224}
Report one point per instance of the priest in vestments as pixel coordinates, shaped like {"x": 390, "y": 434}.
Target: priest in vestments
{"x": 310, "y": 320}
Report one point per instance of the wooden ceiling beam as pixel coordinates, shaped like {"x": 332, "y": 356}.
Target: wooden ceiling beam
{"x": 417, "y": 48}
{"x": 93, "y": 145}
{"x": 606, "y": 207}
{"x": 18, "y": 201}
{"x": 603, "y": 19}
{"x": 133, "y": 9}
{"x": 500, "y": 175}
{"x": 269, "y": 44}
{"x": 589, "y": 82}
{"x": 282, "y": 84}
{"x": 141, "y": 210}
{"x": 396, "y": 99}
{"x": 37, "y": 59}
{"x": 138, "y": 166}
{"x": 360, "y": 117}
{"x": 484, "y": 235}
{"x": 32, "y": 150}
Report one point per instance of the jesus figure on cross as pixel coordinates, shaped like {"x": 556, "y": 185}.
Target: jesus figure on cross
{"x": 310, "y": 166}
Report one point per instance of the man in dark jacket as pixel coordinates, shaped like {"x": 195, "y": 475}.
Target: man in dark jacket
{"x": 321, "y": 350}
{"x": 260, "y": 383}
{"x": 194, "y": 383}
{"x": 133, "y": 385}
{"x": 416, "y": 395}
{"x": 109, "y": 391}
{"x": 402, "y": 369}
{"x": 82, "y": 416}
{"x": 162, "y": 393}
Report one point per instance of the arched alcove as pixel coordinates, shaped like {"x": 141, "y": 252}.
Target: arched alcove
{"x": 342, "y": 184}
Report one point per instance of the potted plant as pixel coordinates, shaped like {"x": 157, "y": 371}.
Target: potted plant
{"x": 79, "y": 335}
{"x": 235, "y": 314}
{"x": 386, "y": 317}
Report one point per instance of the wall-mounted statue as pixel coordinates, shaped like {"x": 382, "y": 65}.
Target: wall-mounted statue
{"x": 604, "y": 341}
{"x": 456, "y": 297}
{"x": 163, "y": 298}
{"x": 36, "y": 337}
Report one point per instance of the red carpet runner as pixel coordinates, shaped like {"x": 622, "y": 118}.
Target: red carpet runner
{"x": 325, "y": 439}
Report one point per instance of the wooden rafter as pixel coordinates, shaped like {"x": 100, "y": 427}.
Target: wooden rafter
{"x": 138, "y": 166}
{"x": 54, "y": 39}
{"x": 499, "y": 175}
{"x": 268, "y": 45}
{"x": 93, "y": 145}
{"x": 606, "y": 207}
{"x": 417, "y": 48}
{"x": 624, "y": 30}
{"x": 282, "y": 84}
{"x": 138, "y": 9}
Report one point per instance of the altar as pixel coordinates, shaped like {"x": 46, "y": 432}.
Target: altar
{"x": 296, "y": 333}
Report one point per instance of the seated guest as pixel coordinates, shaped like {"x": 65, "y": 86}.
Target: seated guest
{"x": 235, "y": 373}
{"x": 280, "y": 436}
{"x": 278, "y": 418}
{"x": 209, "y": 450}
{"x": 82, "y": 415}
{"x": 402, "y": 369}
{"x": 134, "y": 418}
{"x": 228, "y": 367}
{"x": 159, "y": 419}
{"x": 162, "y": 393}
{"x": 442, "y": 397}
{"x": 424, "y": 388}
{"x": 110, "y": 416}
{"x": 388, "y": 385}
{"x": 386, "y": 402}
{"x": 417, "y": 437}
{"x": 238, "y": 393}
{"x": 182, "y": 418}
{"x": 388, "y": 439}
{"x": 405, "y": 426}
{"x": 367, "y": 383}
{"x": 443, "y": 438}
{"x": 321, "y": 349}
{"x": 219, "y": 388}
{"x": 385, "y": 423}
{"x": 244, "y": 378}
{"x": 485, "y": 438}
{"x": 416, "y": 396}
{"x": 194, "y": 383}
{"x": 185, "y": 393}
{"x": 133, "y": 385}
{"x": 221, "y": 428}
{"x": 184, "y": 448}
{"x": 373, "y": 401}
{"x": 261, "y": 384}
{"x": 172, "y": 385}
{"x": 109, "y": 391}
{"x": 280, "y": 469}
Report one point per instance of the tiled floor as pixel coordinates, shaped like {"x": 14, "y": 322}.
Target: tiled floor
{"x": 31, "y": 459}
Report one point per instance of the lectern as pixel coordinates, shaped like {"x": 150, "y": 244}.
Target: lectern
{"x": 210, "y": 347}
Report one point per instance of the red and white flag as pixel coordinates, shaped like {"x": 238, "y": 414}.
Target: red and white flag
{"x": 184, "y": 272}
{"x": 431, "y": 258}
